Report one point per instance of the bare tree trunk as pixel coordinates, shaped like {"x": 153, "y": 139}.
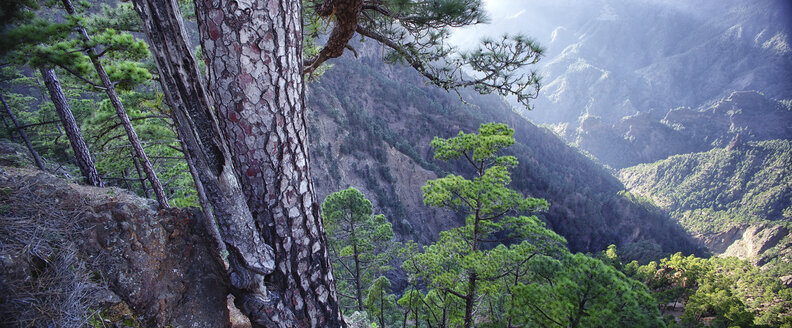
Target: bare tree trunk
{"x": 21, "y": 131}
{"x": 9, "y": 129}
{"x": 162, "y": 199}
{"x": 250, "y": 258}
{"x": 206, "y": 206}
{"x": 358, "y": 283}
{"x": 141, "y": 175}
{"x": 81, "y": 151}
{"x": 253, "y": 51}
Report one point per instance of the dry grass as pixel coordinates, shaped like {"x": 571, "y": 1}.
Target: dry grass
{"x": 43, "y": 282}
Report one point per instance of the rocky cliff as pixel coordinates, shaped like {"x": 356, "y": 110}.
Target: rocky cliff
{"x": 613, "y": 59}
{"x": 76, "y": 256}
{"x": 637, "y": 81}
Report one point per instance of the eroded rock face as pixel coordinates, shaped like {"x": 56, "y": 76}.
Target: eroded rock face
{"x": 163, "y": 264}
{"x": 719, "y": 242}
{"x": 755, "y": 240}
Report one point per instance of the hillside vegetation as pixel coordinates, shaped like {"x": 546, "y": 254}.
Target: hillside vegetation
{"x": 372, "y": 124}
{"x": 718, "y": 195}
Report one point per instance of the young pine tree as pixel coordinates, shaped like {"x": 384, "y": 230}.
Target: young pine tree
{"x": 360, "y": 244}
{"x": 466, "y": 267}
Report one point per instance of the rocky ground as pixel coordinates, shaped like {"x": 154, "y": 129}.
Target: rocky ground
{"x": 73, "y": 256}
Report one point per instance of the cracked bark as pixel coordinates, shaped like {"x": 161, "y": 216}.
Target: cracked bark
{"x": 81, "y": 151}
{"x": 253, "y": 51}
{"x": 301, "y": 291}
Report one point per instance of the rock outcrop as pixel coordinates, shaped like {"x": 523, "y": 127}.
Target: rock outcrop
{"x": 137, "y": 264}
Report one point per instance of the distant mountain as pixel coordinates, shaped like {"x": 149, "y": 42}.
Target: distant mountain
{"x": 613, "y": 70}
{"x": 736, "y": 200}
{"x": 643, "y": 138}
{"x": 371, "y": 125}
{"x": 613, "y": 59}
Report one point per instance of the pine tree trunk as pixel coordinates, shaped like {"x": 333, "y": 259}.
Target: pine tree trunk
{"x": 81, "y": 151}
{"x": 162, "y": 199}
{"x": 140, "y": 174}
{"x": 358, "y": 283}
{"x": 21, "y": 131}
{"x": 250, "y": 258}
{"x": 382, "y": 308}
{"x": 356, "y": 258}
{"x": 253, "y": 51}
{"x": 470, "y": 298}
{"x": 206, "y": 206}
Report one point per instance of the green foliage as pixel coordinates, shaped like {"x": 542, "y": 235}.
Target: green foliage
{"x": 585, "y": 292}
{"x": 712, "y": 191}
{"x": 610, "y": 257}
{"x": 46, "y": 41}
{"x": 360, "y": 243}
{"x": 152, "y": 122}
{"x": 507, "y": 268}
{"x": 380, "y": 303}
{"x": 715, "y": 191}
{"x": 470, "y": 266}
{"x": 719, "y": 292}
{"x": 417, "y": 33}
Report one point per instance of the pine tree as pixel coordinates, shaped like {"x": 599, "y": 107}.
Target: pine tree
{"x": 80, "y": 148}
{"x": 258, "y": 141}
{"x": 581, "y": 291}
{"x": 469, "y": 263}
{"x": 380, "y": 302}
{"x": 21, "y": 131}
{"x": 110, "y": 89}
{"x": 360, "y": 242}
{"x": 51, "y": 45}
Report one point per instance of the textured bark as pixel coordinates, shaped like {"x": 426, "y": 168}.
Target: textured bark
{"x": 21, "y": 131}
{"x": 253, "y": 51}
{"x": 81, "y": 151}
{"x": 162, "y": 199}
{"x": 206, "y": 206}
{"x": 249, "y": 256}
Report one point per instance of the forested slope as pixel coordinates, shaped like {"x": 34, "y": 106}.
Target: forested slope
{"x": 736, "y": 200}
{"x": 371, "y": 125}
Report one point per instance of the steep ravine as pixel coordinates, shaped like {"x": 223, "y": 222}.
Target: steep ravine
{"x": 644, "y": 138}
{"x": 371, "y": 125}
